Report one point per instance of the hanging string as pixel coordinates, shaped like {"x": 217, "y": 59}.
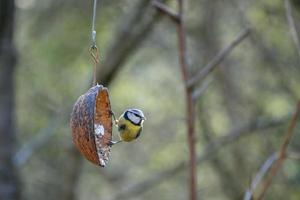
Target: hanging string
{"x": 94, "y": 49}
{"x": 93, "y": 24}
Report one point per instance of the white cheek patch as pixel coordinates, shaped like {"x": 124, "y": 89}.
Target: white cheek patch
{"x": 133, "y": 118}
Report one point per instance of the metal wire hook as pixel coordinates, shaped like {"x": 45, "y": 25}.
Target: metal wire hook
{"x": 95, "y": 53}
{"x": 96, "y": 58}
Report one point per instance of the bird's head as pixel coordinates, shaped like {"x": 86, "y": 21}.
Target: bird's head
{"x": 135, "y": 116}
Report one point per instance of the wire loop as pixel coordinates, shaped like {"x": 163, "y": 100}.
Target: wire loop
{"x": 94, "y": 52}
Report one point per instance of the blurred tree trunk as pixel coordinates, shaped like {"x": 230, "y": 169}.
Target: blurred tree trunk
{"x": 9, "y": 186}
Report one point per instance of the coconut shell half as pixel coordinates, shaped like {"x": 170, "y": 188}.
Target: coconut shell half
{"x": 91, "y": 125}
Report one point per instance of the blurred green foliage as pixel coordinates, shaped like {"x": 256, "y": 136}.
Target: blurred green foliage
{"x": 259, "y": 78}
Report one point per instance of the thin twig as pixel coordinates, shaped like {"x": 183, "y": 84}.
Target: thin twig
{"x": 190, "y": 115}
{"x": 205, "y": 71}
{"x": 259, "y": 176}
{"x": 282, "y": 154}
{"x": 198, "y": 92}
{"x": 166, "y": 10}
{"x": 292, "y": 26}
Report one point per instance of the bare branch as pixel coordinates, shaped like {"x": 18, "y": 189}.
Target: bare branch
{"x": 205, "y": 71}
{"x": 166, "y": 10}
{"x": 291, "y": 24}
{"x": 198, "y": 93}
{"x": 210, "y": 150}
{"x": 259, "y": 176}
{"x": 190, "y": 115}
{"x": 282, "y": 154}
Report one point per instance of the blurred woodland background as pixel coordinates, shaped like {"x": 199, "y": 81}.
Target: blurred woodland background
{"x": 242, "y": 108}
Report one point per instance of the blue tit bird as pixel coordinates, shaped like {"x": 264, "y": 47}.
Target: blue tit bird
{"x": 130, "y": 125}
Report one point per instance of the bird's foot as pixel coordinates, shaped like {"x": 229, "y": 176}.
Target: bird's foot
{"x": 114, "y": 118}
{"x": 111, "y": 143}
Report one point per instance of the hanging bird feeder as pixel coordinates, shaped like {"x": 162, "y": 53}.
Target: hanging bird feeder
{"x": 91, "y": 118}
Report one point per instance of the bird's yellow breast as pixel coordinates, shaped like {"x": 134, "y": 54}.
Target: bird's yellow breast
{"x": 127, "y": 130}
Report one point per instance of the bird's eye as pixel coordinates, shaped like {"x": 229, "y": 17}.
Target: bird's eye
{"x": 122, "y": 127}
